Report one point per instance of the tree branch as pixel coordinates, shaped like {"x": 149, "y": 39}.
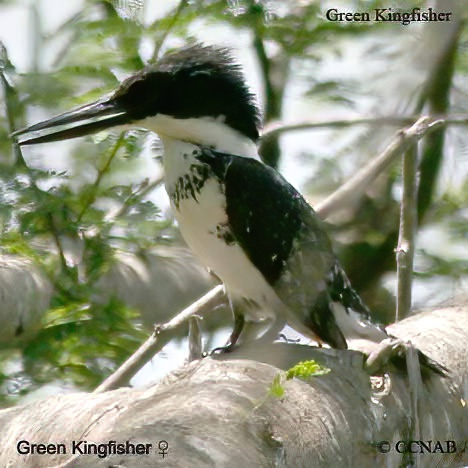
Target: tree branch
{"x": 436, "y": 98}
{"x": 144, "y": 188}
{"x": 268, "y": 149}
{"x": 353, "y": 189}
{"x": 175, "y": 16}
{"x": 278, "y": 128}
{"x": 220, "y": 412}
{"x": 100, "y": 174}
{"x": 161, "y": 336}
{"x": 408, "y": 222}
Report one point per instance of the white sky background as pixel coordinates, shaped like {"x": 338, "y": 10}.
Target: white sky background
{"x": 15, "y": 24}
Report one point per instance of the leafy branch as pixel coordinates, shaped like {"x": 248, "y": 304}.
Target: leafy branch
{"x": 100, "y": 174}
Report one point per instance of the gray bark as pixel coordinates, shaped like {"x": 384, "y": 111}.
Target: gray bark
{"x": 218, "y": 411}
{"x": 158, "y": 284}
{"x": 25, "y": 295}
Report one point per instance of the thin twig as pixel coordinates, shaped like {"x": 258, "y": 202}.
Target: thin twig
{"x": 272, "y": 99}
{"x": 161, "y": 336}
{"x": 58, "y": 243}
{"x": 353, "y": 189}
{"x": 195, "y": 339}
{"x": 143, "y": 189}
{"x": 278, "y": 128}
{"x": 408, "y": 221}
{"x": 101, "y": 172}
{"x": 176, "y": 15}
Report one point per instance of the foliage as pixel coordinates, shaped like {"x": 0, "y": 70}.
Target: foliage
{"x": 276, "y": 388}
{"x": 303, "y": 370}
{"x": 306, "y": 369}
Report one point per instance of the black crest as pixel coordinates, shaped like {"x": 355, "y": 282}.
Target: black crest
{"x": 196, "y": 81}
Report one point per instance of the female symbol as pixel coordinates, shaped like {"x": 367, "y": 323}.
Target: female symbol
{"x": 163, "y": 446}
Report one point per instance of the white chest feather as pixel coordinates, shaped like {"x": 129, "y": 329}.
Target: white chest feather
{"x": 203, "y": 223}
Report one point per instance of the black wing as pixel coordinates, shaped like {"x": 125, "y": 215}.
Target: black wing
{"x": 282, "y": 236}
{"x": 341, "y": 290}
{"x": 264, "y": 211}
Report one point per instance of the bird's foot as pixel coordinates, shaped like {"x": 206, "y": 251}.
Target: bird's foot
{"x": 282, "y": 336}
{"x": 378, "y": 358}
{"x": 404, "y": 356}
{"x": 227, "y": 348}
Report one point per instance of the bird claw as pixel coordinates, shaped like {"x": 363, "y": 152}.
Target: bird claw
{"x": 228, "y": 348}
{"x": 401, "y": 352}
{"x": 282, "y": 336}
{"x": 384, "y": 352}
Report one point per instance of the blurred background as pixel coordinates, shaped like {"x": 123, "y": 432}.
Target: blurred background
{"x": 90, "y": 254}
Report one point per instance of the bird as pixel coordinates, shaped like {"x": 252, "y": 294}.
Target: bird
{"x": 241, "y": 218}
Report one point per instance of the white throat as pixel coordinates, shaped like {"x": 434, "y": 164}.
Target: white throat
{"x": 204, "y": 131}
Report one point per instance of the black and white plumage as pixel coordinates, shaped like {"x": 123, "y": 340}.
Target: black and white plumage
{"x": 240, "y": 217}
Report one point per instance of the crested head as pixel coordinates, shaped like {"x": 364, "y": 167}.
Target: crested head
{"x": 192, "y": 83}
{"x": 197, "y": 95}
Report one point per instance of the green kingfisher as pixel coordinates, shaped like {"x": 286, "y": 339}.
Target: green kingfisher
{"x": 241, "y": 218}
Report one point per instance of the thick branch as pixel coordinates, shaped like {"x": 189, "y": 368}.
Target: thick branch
{"x": 217, "y": 412}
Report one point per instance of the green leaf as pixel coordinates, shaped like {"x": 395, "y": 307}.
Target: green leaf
{"x": 276, "y": 388}
{"x": 306, "y": 369}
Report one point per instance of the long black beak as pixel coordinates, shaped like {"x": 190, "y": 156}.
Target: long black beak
{"x": 93, "y": 117}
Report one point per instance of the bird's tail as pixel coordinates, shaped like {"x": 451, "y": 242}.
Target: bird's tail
{"x": 428, "y": 365}
{"x": 353, "y": 319}
{"x": 355, "y": 326}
